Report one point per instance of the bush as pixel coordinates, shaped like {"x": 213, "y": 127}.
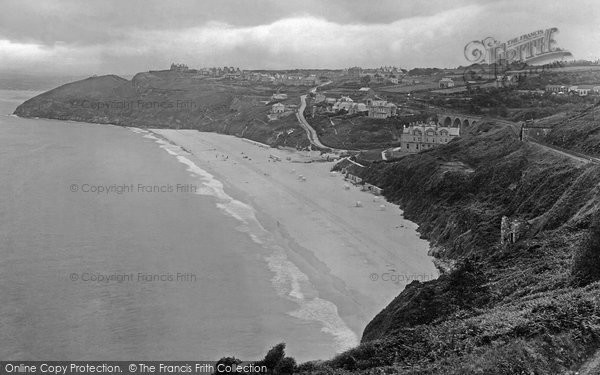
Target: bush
{"x": 467, "y": 286}
{"x": 286, "y": 366}
{"x": 276, "y": 361}
{"x": 586, "y": 262}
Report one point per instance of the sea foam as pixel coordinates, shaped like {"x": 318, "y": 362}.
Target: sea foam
{"x": 288, "y": 280}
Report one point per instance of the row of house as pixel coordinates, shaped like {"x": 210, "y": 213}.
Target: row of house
{"x": 581, "y": 90}
{"x": 384, "y": 74}
{"x": 216, "y": 72}
{"x": 371, "y": 105}
{"x": 238, "y": 74}
{"x": 296, "y": 80}
{"x": 345, "y": 103}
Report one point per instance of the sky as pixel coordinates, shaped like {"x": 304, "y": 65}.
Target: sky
{"x": 129, "y": 36}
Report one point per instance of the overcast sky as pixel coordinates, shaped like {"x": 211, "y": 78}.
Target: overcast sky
{"x": 123, "y": 37}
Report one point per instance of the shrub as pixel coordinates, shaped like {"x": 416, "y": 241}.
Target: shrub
{"x": 586, "y": 262}
{"x": 286, "y": 366}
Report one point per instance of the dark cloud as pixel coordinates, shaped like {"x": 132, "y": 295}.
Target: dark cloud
{"x": 92, "y": 22}
{"x": 128, "y": 36}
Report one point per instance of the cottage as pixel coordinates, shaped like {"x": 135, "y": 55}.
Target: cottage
{"x": 358, "y": 108}
{"x": 372, "y": 188}
{"x": 446, "y": 83}
{"x": 319, "y": 98}
{"x": 381, "y": 109}
{"x": 338, "y": 106}
{"x": 354, "y": 179}
{"x": 278, "y": 108}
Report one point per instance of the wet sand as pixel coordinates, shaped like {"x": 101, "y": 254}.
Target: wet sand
{"x": 356, "y": 258}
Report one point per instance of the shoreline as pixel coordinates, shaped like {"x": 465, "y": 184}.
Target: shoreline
{"x": 317, "y": 235}
{"x": 339, "y": 277}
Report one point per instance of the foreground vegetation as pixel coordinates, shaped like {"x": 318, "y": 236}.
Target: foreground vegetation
{"x": 529, "y": 307}
{"x": 523, "y": 308}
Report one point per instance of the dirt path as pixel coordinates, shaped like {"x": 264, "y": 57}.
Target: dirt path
{"x": 575, "y": 158}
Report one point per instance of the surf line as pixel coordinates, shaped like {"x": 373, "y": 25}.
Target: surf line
{"x": 288, "y": 281}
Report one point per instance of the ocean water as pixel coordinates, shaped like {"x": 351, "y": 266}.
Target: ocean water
{"x": 114, "y": 245}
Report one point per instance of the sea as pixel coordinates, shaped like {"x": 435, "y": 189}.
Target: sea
{"x": 115, "y": 246}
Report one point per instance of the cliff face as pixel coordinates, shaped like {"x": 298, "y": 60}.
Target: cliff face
{"x": 166, "y": 99}
{"x": 515, "y": 305}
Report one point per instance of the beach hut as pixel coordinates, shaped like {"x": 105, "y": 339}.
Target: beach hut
{"x": 382, "y": 207}
{"x": 346, "y": 187}
{"x": 358, "y": 204}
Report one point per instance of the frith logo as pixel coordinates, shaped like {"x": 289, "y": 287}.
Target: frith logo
{"x": 533, "y": 48}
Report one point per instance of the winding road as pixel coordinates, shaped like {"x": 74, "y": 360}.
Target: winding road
{"x": 311, "y": 133}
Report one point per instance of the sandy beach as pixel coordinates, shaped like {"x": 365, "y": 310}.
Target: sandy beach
{"x": 341, "y": 264}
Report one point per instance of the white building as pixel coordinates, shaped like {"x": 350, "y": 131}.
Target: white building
{"x": 422, "y": 136}
{"x": 446, "y": 83}
{"x": 278, "y": 108}
{"x": 358, "y": 108}
{"x": 381, "y": 109}
{"x": 584, "y": 90}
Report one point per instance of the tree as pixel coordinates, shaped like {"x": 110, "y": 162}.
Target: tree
{"x": 586, "y": 262}
{"x": 286, "y": 366}
{"x": 227, "y": 362}
{"x": 273, "y": 357}
{"x": 365, "y": 80}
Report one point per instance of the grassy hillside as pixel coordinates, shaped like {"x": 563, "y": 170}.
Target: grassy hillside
{"x": 578, "y": 131}
{"x": 167, "y": 99}
{"x": 515, "y": 309}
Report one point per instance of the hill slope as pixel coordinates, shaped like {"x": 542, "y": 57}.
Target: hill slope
{"x": 501, "y": 309}
{"x": 167, "y": 99}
